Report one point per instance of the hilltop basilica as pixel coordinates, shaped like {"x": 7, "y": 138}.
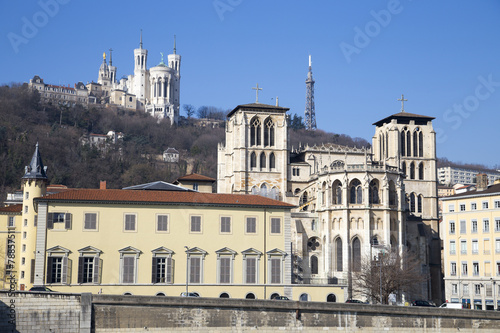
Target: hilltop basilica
{"x": 350, "y": 203}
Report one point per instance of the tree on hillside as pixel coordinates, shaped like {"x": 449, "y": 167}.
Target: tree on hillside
{"x": 388, "y": 273}
{"x": 189, "y": 109}
{"x": 202, "y": 112}
{"x": 296, "y": 122}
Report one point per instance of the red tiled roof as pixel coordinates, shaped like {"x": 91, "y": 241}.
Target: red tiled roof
{"x": 195, "y": 176}
{"x": 12, "y": 209}
{"x": 163, "y": 197}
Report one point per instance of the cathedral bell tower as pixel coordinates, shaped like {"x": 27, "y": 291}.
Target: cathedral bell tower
{"x": 255, "y": 157}
{"x": 140, "y": 72}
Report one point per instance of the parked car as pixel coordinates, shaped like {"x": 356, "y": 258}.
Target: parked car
{"x": 184, "y": 294}
{"x": 354, "y": 301}
{"x": 43, "y": 288}
{"x": 452, "y": 305}
{"x": 422, "y": 303}
{"x": 281, "y": 298}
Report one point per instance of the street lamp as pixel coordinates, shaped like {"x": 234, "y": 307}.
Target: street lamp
{"x": 187, "y": 270}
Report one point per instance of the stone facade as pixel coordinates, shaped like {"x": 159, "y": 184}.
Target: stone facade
{"x": 352, "y": 202}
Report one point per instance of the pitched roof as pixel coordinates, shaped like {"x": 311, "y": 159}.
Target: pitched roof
{"x": 11, "y": 209}
{"x": 258, "y": 107}
{"x": 157, "y": 186}
{"x": 35, "y": 170}
{"x": 197, "y": 177}
{"x": 491, "y": 190}
{"x": 402, "y": 115}
{"x": 162, "y": 197}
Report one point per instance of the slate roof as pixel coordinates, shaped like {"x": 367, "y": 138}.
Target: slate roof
{"x": 196, "y": 177}
{"x": 402, "y": 115}
{"x": 157, "y": 186}
{"x": 258, "y": 107}
{"x": 35, "y": 170}
{"x": 140, "y": 197}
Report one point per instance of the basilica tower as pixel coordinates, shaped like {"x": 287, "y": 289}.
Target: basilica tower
{"x": 140, "y": 83}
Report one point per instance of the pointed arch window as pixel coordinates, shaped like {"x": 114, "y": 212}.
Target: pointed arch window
{"x": 412, "y": 170}
{"x": 421, "y": 171}
{"x": 356, "y": 192}
{"x": 412, "y": 202}
{"x": 403, "y": 168}
{"x": 356, "y": 254}
{"x": 420, "y": 144}
{"x": 269, "y": 133}
{"x": 253, "y": 160}
{"x": 262, "y": 161}
{"x": 272, "y": 161}
{"x": 323, "y": 194}
{"x": 263, "y": 190}
{"x": 255, "y": 128}
{"x": 408, "y": 143}
{"x": 392, "y": 193}
{"x": 339, "y": 257}
{"x": 337, "y": 193}
{"x": 415, "y": 143}
{"x": 373, "y": 192}
{"x": 303, "y": 199}
{"x": 403, "y": 143}
{"x": 419, "y": 204}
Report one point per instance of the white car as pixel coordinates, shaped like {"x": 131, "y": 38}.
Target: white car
{"x": 452, "y": 305}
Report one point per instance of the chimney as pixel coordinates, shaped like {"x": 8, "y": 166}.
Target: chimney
{"x": 102, "y": 185}
{"x": 481, "y": 181}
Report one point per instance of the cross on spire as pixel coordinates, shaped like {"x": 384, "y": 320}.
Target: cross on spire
{"x": 257, "y": 93}
{"x": 402, "y": 100}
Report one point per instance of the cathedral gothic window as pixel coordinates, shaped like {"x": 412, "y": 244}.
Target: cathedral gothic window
{"x": 272, "y": 161}
{"x": 255, "y": 128}
{"x": 356, "y": 192}
{"x": 412, "y": 202}
{"x": 420, "y": 144}
{"x": 419, "y": 204}
{"x": 392, "y": 193}
{"x": 373, "y": 192}
{"x": 262, "y": 161}
{"x": 337, "y": 193}
{"x": 412, "y": 170}
{"x": 403, "y": 168}
{"x": 338, "y": 249}
{"x": 314, "y": 265}
{"x": 356, "y": 254}
{"x": 253, "y": 160}
{"x": 269, "y": 133}
{"x": 421, "y": 171}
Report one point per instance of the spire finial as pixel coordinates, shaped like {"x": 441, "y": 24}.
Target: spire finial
{"x": 174, "y": 45}
{"x": 140, "y": 44}
{"x": 104, "y": 56}
{"x": 110, "y": 57}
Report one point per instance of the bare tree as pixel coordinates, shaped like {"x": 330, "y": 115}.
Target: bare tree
{"x": 388, "y": 273}
{"x": 189, "y": 109}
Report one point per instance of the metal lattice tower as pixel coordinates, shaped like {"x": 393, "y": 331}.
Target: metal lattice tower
{"x": 310, "y": 116}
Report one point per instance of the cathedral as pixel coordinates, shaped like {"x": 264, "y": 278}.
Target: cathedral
{"x": 155, "y": 90}
{"x": 351, "y": 203}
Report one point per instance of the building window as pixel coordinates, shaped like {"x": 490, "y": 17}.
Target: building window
{"x": 225, "y": 269}
{"x": 475, "y": 268}
{"x": 90, "y": 222}
{"x": 485, "y": 204}
{"x": 162, "y": 270}
{"x": 27, "y": 195}
{"x": 339, "y": 255}
{"x": 462, "y": 207}
{"x": 453, "y": 270}
{"x": 255, "y": 128}
{"x": 57, "y": 268}
{"x": 452, "y": 247}
{"x": 464, "y": 269}
{"x": 195, "y": 223}
{"x": 486, "y": 225}
{"x": 225, "y": 224}
{"x": 497, "y": 224}
{"x": 54, "y": 220}
{"x": 128, "y": 269}
{"x": 356, "y": 192}
{"x": 195, "y": 270}
{"x": 497, "y": 203}
{"x": 25, "y": 222}
{"x": 162, "y": 223}
{"x": 466, "y": 290}
{"x": 463, "y": 227}
{"x": 25, "y": 209}
{"x": 356, "y": 255}
{"x": 11, "y": 221}
{"x": 253, "y": 160}
{"x": 475, "y": 247}
{"x": 130, "y": 222}
{"x": 477, "y": 289}
{"x": 473, "y": 206}
{"x": 251, "y": 225}
{"x": 275, "y": 225}
{"x": 454, "y": 289}
{"x": 497, "y": 245}
{"x": 314, "y": 264}
{"x": 452, "y": 227}
{"x": 195, "y": 186}
{"x": 88, "y": 269}
{"x": 498, "y": 272}
{"x": 275, "y": 269}
{"x": 451, "y": 208}
{"x": 474, "y": 226}
{"x": 272, "y": 161}
{"x": 373, "y": 192}
{"x": 463, "y": 247}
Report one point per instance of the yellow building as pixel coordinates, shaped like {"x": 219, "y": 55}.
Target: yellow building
{"x": 149, "y": 242}
{"x": 471, "y": 237}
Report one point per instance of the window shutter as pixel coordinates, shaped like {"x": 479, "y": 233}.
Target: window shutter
{"x": 50, "y": 221}
{"x": 97, "y": 270}
{"x": 80, "y": 269}
{"x": 32, "y": 278}
{"x": 153, "y": 270}
{"x": 49, "y": 270}
{"x": 36, "y": 222}
{"x": 168, "y": 278}
{"x": 64, "y": 275}
{"x": 67, "y": 221}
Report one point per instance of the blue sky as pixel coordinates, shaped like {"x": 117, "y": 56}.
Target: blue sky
{"x": 444, "y": 56}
